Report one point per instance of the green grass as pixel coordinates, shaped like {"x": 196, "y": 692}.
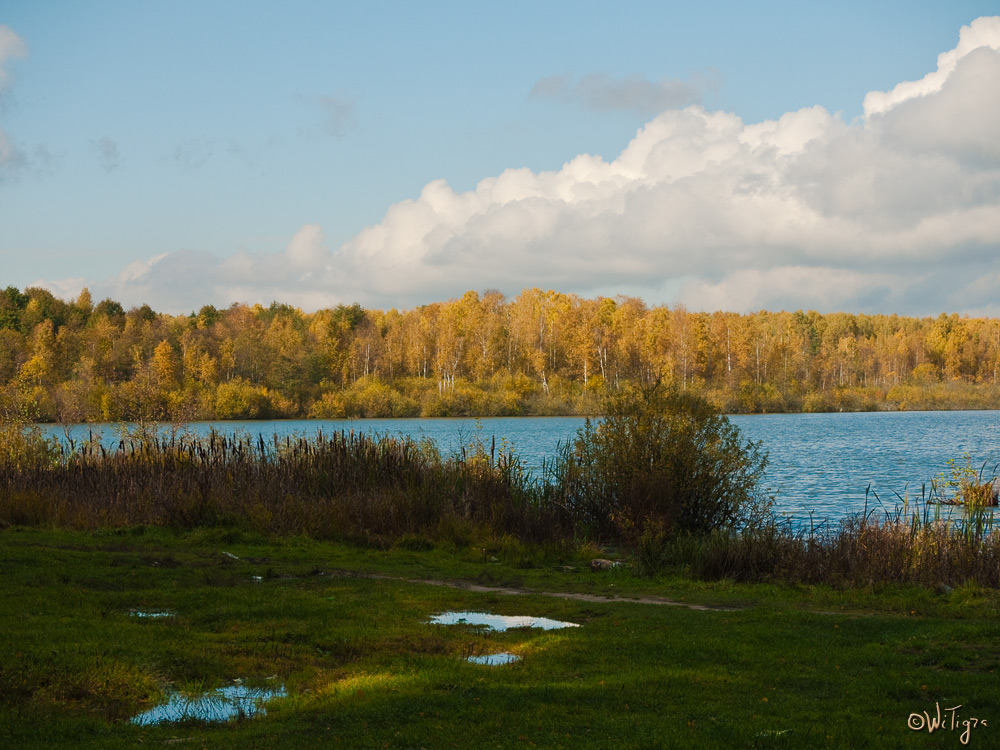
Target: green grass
{"x": 802, "y": 666}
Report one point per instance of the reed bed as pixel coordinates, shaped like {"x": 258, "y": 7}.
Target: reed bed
{"x": 905, "y": 546}
{"x": 342, "y": 485}
{"x": 380, "y": 490}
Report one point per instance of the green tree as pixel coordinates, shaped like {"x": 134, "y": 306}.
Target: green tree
{"x": 108, "y": 308}
{"x": 12, "y": 306}
{"x": 660, "y": 458}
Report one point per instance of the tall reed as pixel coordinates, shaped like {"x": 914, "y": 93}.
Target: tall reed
{"x": 912, "y": 544}
{"x": 343, "y": 484}
{"x": 379, "y": 489}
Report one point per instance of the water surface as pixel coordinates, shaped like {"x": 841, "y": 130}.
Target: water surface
{"x": 219, "y": 705}
{"x": 499, "y": 622}
{"x": 151, "y": 613}
{"x": 821, "y": 465}
{"x": 495, "y": 660}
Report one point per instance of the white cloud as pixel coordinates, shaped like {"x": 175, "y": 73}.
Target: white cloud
{"x": 790, "y": 287}
{"x": 307, "y": 248}
{"x": 899, "y": 212}
{"x": 68, "y": 288}
{"x": 959, "y": 120}
{"x": 983, "y": 32}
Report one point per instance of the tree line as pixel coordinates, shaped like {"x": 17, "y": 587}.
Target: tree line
{"x": 541, "y": 352}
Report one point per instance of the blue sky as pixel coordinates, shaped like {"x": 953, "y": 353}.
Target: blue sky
{"x": 397, "y": 153}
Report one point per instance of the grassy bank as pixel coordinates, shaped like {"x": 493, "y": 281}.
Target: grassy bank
{"x": 382, "y": 492}
{"x": 311, "y": 568}
{"x": 805, "y": 666}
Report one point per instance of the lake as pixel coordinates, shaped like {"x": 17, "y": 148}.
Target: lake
{"x": 820, "y": 464}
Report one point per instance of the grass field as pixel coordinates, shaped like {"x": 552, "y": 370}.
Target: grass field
{"x": 344, "y": 631}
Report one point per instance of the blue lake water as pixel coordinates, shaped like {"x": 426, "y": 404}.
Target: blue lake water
{"x": 821, "y": 465}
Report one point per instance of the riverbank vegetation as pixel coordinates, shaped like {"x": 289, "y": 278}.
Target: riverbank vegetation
{"x": 171, "y": 565}
{"x": 659, "y": 457}
{"x": 540, "y": 353}
{"x": 662, "y": 476}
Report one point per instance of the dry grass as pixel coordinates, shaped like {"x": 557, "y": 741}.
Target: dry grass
{"x": 864, "y": 550}
{"x": 343, "y": 485}
{"x": 384, "y": 490}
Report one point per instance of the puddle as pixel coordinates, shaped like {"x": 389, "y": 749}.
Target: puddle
{"x": 152, "y": 613}
{"x": 219, "y": 705}
{"x": 495, "y": 660}
{"x": 499, "y": 622}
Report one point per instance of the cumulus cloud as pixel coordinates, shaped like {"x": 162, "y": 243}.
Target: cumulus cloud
{"x": 634, "y": 93}
{"x": 897, "y": 212}
{"x": 982, "y": 33}
{"x": 184, "y": 281}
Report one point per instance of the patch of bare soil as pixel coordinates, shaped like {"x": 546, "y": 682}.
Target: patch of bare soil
{"x": 481, "y": 589}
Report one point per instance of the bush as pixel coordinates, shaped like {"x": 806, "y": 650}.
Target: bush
{"x": 23, "y": 447}
{"x": 371, "y": 398}
{"x": 238, "y": 399}
{"x": 660, "y": 459}
{"x": 22, "y": 444}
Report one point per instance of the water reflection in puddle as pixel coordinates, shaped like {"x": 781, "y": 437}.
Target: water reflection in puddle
{"x": 219, "y": 705}
{"x": 499, "y": 622}
{"x": 495, "y": 660}
{"x": 152, "y": 613}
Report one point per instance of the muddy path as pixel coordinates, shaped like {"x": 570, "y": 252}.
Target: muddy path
{"x": 483, "y": 589}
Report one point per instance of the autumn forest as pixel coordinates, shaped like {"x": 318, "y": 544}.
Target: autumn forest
{"x": 541, "y": 352}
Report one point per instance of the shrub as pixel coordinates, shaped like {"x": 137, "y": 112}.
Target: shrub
{"x": 328, "y": 406}
{"x": 238, "y": 399}
{"x": 372, "y": 398}
{"x": 24, "y": 447}
{"x": 664, "y": 459}
{"x": 966, "y": 485}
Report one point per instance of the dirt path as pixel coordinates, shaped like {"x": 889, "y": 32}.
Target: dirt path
{"x": 481, "y": 589}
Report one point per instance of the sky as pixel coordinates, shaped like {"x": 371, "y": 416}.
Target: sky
{"x": 725, "y": 156}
